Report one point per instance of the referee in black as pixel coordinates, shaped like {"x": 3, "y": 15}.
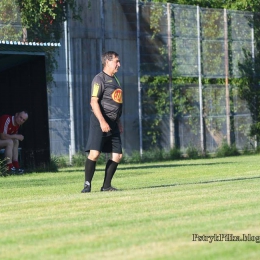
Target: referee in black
{"x": 105, "y": 126}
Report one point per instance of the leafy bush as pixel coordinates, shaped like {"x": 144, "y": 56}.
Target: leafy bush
{"x": 192, "y": 152}
{"x": 248, "y": 151}
{"x": 103, "y": 158}
{"x": 155, "y": 155}
{"x": 60, "y": 161}
{"x": 52, "y": 166}
{"x": 152, "y": 155}
{"x": 79, "y": 159}
{"x": 175, "y": 153}
{"x": 227, "y": 150}
{"x": 135, "y": 157}
{"x": 257, "y": 150}
{"x": 126, "y": 158}
{"x": 3, "y": 168}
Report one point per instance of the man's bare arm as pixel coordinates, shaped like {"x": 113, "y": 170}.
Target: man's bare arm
{"x": 4, "y": 136}
{"x": 97, "y": 112}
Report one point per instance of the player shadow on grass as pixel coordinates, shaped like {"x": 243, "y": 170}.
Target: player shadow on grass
{"x": 123, "y": 167}
{"x": 201, "y": 182}
{"x": 152, "y": 166}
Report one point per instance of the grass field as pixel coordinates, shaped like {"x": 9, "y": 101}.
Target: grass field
{"x": 161, "y": 212}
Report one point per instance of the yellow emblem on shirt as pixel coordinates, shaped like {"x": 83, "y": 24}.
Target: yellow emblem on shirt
{"x": 95, "y": 90}
{"x": 117, "y": 96}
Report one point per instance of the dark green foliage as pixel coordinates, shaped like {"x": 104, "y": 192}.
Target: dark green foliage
{"x": 227, "y": 150}
{"x": 135, "y": 157}
{"x": 257, "y": 150}
{"x": 248, "y": 151}
{"x": 78, "y": 160}
{"x": 44, "y": 20}
{"x": 248, "y": 84}
{"x": 152, "y": 155}
{"x": 156, "y": 155}
{"x": 155, "y": 108}
{"x": 60, "y": 161}
{"x": 192, "y": 152}
{"x": 3, "y": 169}
{"x": 103, "y": 158}
{"x": 52, "y": 166}
{"x": 175, "y": 153}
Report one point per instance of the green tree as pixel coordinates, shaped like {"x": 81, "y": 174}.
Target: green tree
{"x": 249, "y": 83}
{"x": 9, "y": 17}
{"x": 37, "y": 21}
{"x": 43, "y": 18}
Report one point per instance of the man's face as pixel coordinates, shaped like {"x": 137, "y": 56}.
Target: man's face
{"x": 113, "y": 65}
{"x": 20, "y": 118}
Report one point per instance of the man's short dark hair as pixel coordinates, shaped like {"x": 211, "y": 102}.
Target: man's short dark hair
{"x": 109, "y": 55}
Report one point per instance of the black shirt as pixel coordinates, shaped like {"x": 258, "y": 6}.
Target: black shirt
{"x": 110, "y": 95}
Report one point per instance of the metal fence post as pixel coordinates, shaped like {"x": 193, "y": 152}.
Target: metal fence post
{"x": 171, "y": 116}
{"x": 200, "y": 82}
{"x": 138, "y": 78}
{"x": 67, "y": 38}
{"x": 226, "y": 76}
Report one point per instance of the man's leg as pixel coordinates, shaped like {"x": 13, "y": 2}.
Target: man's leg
{"x": 8, "y": 146}
{"x": 15, "y": 154}
{"x": 90, "y": 167}
{"x": 111, "y": 167}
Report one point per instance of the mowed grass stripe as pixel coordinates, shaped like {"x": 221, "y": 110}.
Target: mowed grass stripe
{"x": 151, "y": 218}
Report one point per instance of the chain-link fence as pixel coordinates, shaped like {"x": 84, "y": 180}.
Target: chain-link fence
{"x": 200, "y": 48}
{"x": 177, "y": 65}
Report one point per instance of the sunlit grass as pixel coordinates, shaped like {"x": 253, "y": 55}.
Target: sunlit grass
{"x": 154, "y": 215}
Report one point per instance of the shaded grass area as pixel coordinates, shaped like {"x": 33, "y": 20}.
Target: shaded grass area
{"x": 154, "y": 216}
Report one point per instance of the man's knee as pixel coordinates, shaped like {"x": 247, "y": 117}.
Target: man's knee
{"x": 116, "y": 157}
{"x": 7, "y": 143}
{"x": 93, "y": 155}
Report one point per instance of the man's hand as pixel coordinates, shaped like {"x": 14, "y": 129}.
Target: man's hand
{"x": 96, "y": 109}
{"x": 104, "y": 126}
{"x": 20, "y": 137}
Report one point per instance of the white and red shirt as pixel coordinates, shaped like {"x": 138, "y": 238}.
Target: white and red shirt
{"x": 7, "y": 125}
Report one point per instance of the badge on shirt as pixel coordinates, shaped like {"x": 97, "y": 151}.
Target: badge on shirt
{"x": 117, "y": 96}
{"x": 95, "y": 90}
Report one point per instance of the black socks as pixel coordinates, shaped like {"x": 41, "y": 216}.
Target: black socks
{"x": 109, "y": 173}
{"x": 90, "y": 167}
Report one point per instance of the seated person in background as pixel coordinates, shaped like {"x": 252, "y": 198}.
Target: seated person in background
{"x": 9, "y": 138}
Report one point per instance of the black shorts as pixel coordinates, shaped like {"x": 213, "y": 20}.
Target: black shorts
{"x": 103, "y": 142}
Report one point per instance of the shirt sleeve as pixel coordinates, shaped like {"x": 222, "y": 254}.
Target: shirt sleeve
{"x": 4, "y": 123}
{"x": 97, "y": 87}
